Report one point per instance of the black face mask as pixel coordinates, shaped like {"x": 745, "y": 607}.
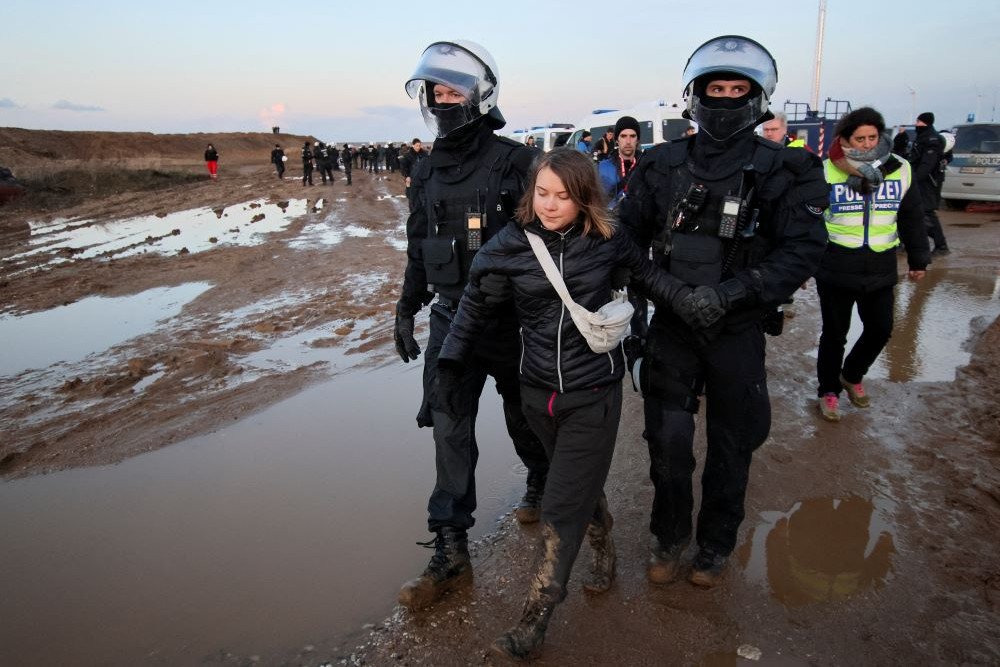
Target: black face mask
{"x": 450, "y": 116}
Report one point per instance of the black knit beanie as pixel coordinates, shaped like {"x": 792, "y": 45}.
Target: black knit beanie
{"x": 926, "y": 117}
{"x": 626, "y": 123}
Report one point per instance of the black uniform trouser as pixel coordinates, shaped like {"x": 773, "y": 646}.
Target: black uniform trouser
{"x": 934, "y": 230}
{"x": 453, "y": 501}
{"x": 307, "y": 173}
{"x": 578, "y": 430}
{"x": 347, "y": 175}
{"x": 737, "y": 421}
{"x": 327, "y": 172}
{"x": 836, "y": 304}
{"x": 280, "y": 168}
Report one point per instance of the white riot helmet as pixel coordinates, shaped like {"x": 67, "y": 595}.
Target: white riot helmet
{"x": 731, "y": 56}
{"x": 465, "y": 67}
{"x": 949, "y": 140}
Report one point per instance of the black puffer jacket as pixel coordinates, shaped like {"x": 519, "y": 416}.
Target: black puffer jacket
{"x": 554, "y": 354}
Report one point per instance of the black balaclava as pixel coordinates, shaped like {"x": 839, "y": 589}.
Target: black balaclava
{"x": 712, "y": 158}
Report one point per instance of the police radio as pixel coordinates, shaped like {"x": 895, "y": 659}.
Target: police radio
{"x": 729, "y": 220}
{"x": 474, "y": 230}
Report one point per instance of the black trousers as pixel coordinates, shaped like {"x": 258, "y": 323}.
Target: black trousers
{"x": 934, "y": 230}
{"x": 307, "y": 173}
{"x": 327, "y": 172}
{"x": 876, "y": 312}
{"x": 453, "y": 501}
{"x": 578, "y": 430}
{"x": 280, "y": 168}
{"x": 737, "y": 418}
{"x": 347, "y": 175}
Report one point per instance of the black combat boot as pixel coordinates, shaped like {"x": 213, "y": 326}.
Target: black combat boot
{"x": 449, "y": 569}
{"x": 529, "y": 510}
{"x": 602, "y": 548}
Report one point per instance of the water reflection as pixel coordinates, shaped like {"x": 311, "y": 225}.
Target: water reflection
{"x": 69, "y": 333}
{"x": 294, "y": 526}
{"x": 932, "y": 324}
{"x": 823, "y": 550}
{"x": 196, "y": 230}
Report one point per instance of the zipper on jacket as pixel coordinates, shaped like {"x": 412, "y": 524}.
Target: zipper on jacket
{"x": 520, "y": 364}
{"x": 562, "y": 313}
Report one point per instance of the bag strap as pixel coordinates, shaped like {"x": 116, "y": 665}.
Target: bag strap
{"x": 549, "y": 267}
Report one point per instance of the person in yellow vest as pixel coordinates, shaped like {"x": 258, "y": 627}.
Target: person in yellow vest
{"x": 874, "y": 204}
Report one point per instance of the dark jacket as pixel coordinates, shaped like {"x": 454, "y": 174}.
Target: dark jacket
{"x": 925, "y": 156}
{"x": 790, "y": 237}
{"x": 276, "y": 155}
{"x": 433, "y": 184}
{"x": 408, "y": 163}
{"x": 211, "y": 155}
{"x": 554, "y": 354}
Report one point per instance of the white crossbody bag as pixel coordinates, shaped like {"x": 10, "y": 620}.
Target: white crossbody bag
{"x": 605, "y": 329}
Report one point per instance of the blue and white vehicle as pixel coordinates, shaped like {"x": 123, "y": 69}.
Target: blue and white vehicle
{"x": 658, "y": 122}
{"x": 547, "y": 137}
{"x": 974, "y": 173}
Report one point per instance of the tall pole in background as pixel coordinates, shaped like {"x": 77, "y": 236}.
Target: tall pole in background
{"x": 819, "y": 54}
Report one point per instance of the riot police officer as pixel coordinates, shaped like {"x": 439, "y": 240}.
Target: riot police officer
{"x": 464, "y": 193}
{"x": 740, "y": 220}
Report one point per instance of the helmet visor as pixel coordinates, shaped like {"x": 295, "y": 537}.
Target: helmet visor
{"x": 451, "y": 65}
{"x": 732, "y": 53}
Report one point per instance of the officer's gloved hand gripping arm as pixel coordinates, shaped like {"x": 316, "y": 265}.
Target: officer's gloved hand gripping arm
{"x": 414, "y": 294}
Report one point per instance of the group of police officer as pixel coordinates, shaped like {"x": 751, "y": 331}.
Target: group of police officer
{"x": 737, "y": 218}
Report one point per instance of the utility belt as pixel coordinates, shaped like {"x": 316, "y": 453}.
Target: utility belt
{"x": 447, "y": 302}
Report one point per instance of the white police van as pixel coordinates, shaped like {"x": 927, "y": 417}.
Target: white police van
{"x": 974, "y": 173}
{"x": 547, "y": 137}
{"x": 658, "y": 122}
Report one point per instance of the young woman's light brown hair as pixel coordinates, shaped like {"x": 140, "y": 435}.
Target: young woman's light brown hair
{"x": 579, "y": 177}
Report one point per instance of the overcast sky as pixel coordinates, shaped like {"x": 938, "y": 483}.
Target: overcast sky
{"x": 336, "y": 68}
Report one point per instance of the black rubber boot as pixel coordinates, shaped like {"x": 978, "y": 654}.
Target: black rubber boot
{"x": 529, "y": 510}
{"x": 449, "y": 569}
{"x": 524, "y": 640}
{"x": 602, "y": 548}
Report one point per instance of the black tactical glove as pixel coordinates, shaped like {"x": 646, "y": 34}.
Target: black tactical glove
{"x": 633, "y": 347}
{"x": 496, "y": 289}
{"x": 406, "y": 344}
{"x": 709, "y": 305}
{"x": 450, "y": 399}
{"x": 621, "y": 276}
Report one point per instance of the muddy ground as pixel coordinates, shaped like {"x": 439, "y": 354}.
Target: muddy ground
{"x": 871, "y": 541}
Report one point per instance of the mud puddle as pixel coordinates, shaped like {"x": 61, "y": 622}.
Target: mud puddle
{"x": 70, "y": 333}
{"x": 290, "y": 529}
{"x": 194, "y": 230}
{"x": 822, "y": 550}
{"x": 933, "y": 322}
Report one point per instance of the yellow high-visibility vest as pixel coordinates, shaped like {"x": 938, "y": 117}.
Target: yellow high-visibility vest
{"x": 796, "y": 143}
{"x": 855, "y": 220}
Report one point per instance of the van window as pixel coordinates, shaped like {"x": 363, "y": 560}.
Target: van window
{"x": 674, "y": 128}
{"x": 977, "y": 139}
{"x": 560, "y": 139}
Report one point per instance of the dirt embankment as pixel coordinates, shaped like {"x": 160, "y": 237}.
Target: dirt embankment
{"x": 35, "y": 153}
